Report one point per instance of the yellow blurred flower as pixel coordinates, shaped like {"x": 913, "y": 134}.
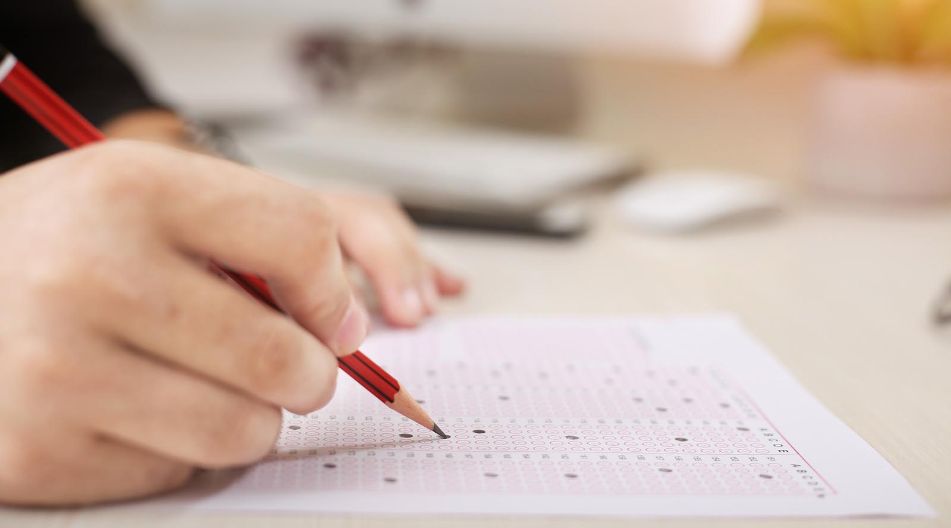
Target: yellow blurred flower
{"x": 906, "y": 32}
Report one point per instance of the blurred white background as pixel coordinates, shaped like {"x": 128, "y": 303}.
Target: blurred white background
{"x": 655, "y": 77}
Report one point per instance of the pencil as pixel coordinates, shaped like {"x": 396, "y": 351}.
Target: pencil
{"x": 64, "y": 122}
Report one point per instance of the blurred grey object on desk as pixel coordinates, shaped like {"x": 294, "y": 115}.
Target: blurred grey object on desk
{"x": 445, "y": 174}
{"x": 497, "y": 65}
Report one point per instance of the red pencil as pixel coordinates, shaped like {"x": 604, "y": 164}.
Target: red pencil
{"x": 64, "y": 122}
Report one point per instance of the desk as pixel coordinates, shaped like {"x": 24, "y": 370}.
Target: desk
{"x": 840, "y": 295}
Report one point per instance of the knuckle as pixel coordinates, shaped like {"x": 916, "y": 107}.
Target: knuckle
{"x": 54, "y": 279}
{"x": 315, "y": 211}
{"x": 37, "y": 371}
{"x": 82, "y": 287}
{"x": 320, "y": 231}
{"x": 122, "y": 289}
{"x": 242, "y": 435}
{"x": 118, "y": 171}
{"x": 85, "y": 279}
{"x": 273, "y": 358}
{"x": 128, "y": 296}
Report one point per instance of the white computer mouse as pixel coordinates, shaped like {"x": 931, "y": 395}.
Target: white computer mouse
{"x": 682, "y": 201}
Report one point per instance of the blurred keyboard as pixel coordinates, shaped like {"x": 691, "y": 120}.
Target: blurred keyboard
{"x": 440, "y": 169}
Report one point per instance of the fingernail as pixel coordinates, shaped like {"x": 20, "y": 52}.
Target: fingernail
{"x": 430, "y": 297}
{"x": 413, "y": 303}
{"x": 353, "y": 330}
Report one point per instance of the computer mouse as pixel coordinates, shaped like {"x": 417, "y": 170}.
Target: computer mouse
{"x": 690, "y": 200}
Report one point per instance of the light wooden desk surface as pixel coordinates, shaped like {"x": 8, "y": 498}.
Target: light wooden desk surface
{"x": 840, "y": 295}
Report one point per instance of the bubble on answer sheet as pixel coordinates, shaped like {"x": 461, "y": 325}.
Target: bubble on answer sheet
{"x": 571, "y": 437}
{"x": 389, "y": 479}
{"x": 478, "y": 431}
{"x": 491, "y": 475}
{"x": 405, "y": 435}
{"x": 293, "y": 427}
{"x": 571, "y": 475}
{"x": 330, "y": 465}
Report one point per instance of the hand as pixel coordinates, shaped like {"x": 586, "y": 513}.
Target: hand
{"x": 124, "y": 363}
{"x": 374, "y": 232}
{"x": 378, "y": 236}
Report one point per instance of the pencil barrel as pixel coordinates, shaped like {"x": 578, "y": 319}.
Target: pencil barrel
{"x": 370, "y": 375}
{"x": 47, "y": 108}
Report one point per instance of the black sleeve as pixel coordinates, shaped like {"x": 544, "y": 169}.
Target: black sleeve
{"x": 55, "y": 40}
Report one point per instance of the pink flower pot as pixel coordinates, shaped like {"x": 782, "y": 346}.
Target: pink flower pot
{"x": 883, "y": 133}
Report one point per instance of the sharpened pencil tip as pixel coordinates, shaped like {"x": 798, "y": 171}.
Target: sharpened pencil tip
{"x": 438, "y": 431}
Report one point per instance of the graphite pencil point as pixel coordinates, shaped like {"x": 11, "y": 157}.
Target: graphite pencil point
{"x": 438, "y": 431}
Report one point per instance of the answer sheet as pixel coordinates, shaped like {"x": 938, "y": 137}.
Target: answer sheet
{"x": 636, "y": 416}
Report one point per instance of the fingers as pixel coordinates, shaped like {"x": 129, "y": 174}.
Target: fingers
{"x": 406, "y": 301}
{"x": 447, "y": 283}
{"x": 193, "y": 320}
{"x": 398, "y": 281}
{"x": 380, "y": 238}
{"x": 167, "y": 411}
{"x": 48, "y": 472}
{"x": 258, "y": 224}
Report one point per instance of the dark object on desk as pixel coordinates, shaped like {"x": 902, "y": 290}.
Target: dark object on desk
{"x": 941, "y": 316}
{"x": 555, "y": 222}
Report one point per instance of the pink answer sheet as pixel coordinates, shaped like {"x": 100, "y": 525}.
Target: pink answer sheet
{"x": 620, "y": 416}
